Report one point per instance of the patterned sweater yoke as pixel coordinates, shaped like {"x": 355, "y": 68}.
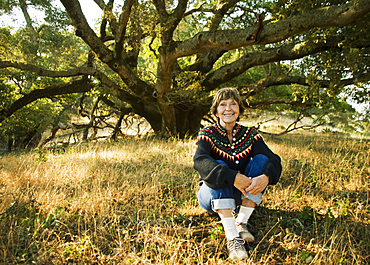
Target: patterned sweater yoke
{"x": 243, "y": 140}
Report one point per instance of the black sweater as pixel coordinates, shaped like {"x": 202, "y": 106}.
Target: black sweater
{"x": 213, "y": 144}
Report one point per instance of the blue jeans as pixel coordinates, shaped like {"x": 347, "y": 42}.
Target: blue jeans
{"x": 229, "y": 197}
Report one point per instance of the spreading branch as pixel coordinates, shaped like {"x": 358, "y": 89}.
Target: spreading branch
{"x": 78, "y": 86}
{"x": 274, "y": 32}
{"x": 105, "y": 80}
{"x": 123, "y": 20}
{"x": 84, "y": 31}
{"x": 285, "y": 52}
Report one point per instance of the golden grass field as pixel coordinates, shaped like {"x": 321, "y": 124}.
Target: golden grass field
{"x": 134, "y": 202}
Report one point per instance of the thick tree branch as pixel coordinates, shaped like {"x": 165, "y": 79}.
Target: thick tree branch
{"x": 50, "y": 73}
{"x": 141, "y": 105}
{"x": 105, "y": 80}
{"x": 285, "y": 52}
{"x": 161, "y": 9}
{"x": 123, "y": 20}
{"x": 108, "y": 14}
{"x": 275, "y": 32}
{"x": 107, "y": 17}
{"x": 51, "y": 91}
{"x": 84, "y": 31}
{"x": 206, "y": 59}
{"x": 100, "y": 3}
{"x": 269, "y": 81}
{"x": 180, "y": 10}
{"x": 219, "y": 13}
{"x": 169, "y": 22}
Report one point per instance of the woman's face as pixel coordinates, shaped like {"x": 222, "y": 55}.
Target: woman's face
{"x": 228, "y": 111}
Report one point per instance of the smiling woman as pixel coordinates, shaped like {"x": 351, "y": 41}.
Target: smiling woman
{"x": 235, "y": 167}
{"x": 228, "y": 112}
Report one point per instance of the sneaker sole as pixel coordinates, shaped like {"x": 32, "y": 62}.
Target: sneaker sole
{"x": 248, "y": 237}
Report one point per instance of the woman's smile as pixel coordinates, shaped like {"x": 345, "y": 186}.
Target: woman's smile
{"x": 228, "y": 111}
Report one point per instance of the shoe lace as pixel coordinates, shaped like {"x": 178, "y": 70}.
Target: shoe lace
{"x": 236, "y": 244}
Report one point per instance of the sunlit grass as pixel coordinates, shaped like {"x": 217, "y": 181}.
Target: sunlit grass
{"x": 134, "y": 202}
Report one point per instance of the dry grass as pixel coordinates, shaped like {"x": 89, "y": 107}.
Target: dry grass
{"x": 134, "y": 202}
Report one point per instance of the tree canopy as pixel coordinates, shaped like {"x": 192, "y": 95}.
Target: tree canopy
{"x": 163, "y": 60}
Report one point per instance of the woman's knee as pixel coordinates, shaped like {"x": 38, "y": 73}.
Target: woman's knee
{"x": 256, "y": 166}
{"x": 261, "y": 158}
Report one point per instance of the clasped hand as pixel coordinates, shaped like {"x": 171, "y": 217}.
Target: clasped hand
{"x": 253, "y": 186}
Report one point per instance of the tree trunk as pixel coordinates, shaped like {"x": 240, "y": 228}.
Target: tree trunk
{"x": 163, "y": 88}
{"x": 168, "y": 118}
{"x": 189, "y": 117}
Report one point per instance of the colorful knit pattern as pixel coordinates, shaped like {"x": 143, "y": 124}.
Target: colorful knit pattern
{"x": 216, "y": 136}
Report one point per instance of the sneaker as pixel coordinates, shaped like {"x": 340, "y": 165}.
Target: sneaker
{"x": 244, "y": 233}
{"x": 236, "y": 249}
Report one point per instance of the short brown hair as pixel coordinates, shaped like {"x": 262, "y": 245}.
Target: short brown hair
{"x": 226, "y": 93}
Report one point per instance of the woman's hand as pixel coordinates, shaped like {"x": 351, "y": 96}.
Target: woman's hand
{"x": 258, "y": 184}
{"x": 242, "y": 182}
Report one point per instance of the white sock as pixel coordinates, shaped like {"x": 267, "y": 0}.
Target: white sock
{"x": 244, "y": 214}
{"x": 229, "y": 228}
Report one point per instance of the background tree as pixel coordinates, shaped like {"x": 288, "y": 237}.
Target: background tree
{"x": 163, "y": 59}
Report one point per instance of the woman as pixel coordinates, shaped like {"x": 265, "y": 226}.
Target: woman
{"x": 235, "y": 167}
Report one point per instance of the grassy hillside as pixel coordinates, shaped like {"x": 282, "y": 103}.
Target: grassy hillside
{"x": 134, "y": 202}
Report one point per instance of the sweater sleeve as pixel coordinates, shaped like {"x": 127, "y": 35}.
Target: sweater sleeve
{"x": 273, "y": 168}
{"x": 215, "y": 175}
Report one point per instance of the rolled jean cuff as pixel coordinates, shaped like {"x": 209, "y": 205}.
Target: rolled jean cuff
{"x": 257, "y": 199}
{"x": 220, "y": 204}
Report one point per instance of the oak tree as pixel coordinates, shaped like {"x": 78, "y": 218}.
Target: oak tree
{"x": 163, "y": 59}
